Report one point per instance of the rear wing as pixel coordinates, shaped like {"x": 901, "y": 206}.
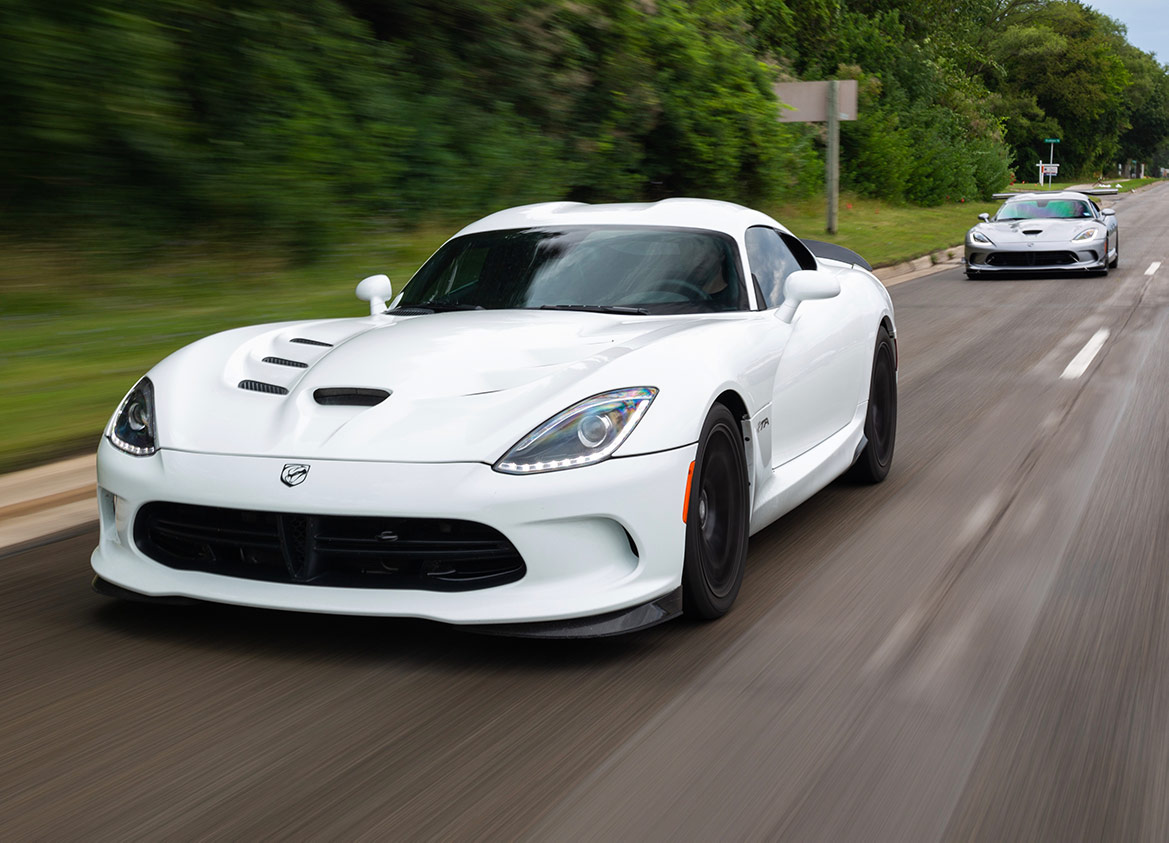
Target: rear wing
{"x": 832, "y": 252}
{"x": 1092, "y": 191}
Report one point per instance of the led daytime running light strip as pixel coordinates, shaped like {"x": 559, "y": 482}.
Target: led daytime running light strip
{"x": 120, "y": 443}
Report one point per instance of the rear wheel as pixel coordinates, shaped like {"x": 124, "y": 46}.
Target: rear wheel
{"x": 872, "y": 466}
{"x": 717, "y": 519}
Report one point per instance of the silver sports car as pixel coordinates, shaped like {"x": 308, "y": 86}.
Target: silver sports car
{"x": 1044, "y": 232}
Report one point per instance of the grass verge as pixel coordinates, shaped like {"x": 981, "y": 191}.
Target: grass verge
{"x": 80, "y": 322}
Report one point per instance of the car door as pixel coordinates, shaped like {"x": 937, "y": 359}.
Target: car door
{"x": 817, "y": 378}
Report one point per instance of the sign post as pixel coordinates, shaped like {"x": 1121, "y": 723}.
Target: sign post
{"x": 822, "y": 102}
{"x": 1051, "y": 142}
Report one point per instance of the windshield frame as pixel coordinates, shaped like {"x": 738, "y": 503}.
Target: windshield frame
{"x": 439, "y": 262}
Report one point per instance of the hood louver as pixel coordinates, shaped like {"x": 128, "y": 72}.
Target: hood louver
{"x": 283, "y": 361}
{"x": 260, "y": 386}
{"x": 350, "y": 396}
{"x": 306, "y": 341}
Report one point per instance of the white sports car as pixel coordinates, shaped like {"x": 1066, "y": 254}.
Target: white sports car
{"x": 566, "y": 424}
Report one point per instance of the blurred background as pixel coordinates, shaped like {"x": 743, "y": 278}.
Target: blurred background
{"x": 174, "y": 167}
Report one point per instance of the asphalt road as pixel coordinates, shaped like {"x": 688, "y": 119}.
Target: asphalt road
{"x": 975, "y": 649}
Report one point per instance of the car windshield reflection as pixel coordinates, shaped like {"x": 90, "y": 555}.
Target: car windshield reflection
{"x": 617, "y": 269}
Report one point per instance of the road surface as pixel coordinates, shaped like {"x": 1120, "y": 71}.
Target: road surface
{"x": 975, "y": 650}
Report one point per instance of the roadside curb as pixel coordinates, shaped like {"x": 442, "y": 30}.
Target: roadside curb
{"x": 47, "y": 500}
{"x": 918, "y": 267}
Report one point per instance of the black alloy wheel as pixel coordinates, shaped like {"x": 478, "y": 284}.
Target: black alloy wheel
{"x": 717, "y": 519}
{"x": 872, "y": 466}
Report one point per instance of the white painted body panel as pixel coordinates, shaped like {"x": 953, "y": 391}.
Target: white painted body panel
{"x": 466, "y": 386}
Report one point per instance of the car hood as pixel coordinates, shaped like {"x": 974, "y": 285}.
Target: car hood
{"x": 463, "y": 386}
{"x": 1035, "y": 231}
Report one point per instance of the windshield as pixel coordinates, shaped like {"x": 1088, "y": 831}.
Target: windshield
{"x": 623, "y": 269}
{"x": 1039, "y": 209}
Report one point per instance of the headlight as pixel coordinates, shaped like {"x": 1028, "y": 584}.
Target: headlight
{"x": 1087, "y": 234}
{"x": 133, "y": 428}
{"x": 979, "y": 237}
{"x": 584, "y": 434}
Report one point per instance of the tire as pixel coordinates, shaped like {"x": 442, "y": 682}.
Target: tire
{"x": 1116, "y": 260}
{"x": 717, "y": 519}
{"x": 872, "y": 466}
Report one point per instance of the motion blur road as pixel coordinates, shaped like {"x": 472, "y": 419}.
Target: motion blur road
{"x": 976, "y": 649}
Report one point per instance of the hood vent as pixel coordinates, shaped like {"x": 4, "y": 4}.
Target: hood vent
{"x": 306, "y": 341}
{"x": 1032, "y": 230}
{"x": 260, "y": 386}
{"x": 281, "y": 361}
{"x": 350, "y": 396}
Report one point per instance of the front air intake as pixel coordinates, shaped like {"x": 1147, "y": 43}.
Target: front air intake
{"x": 260, "y": 386}
{"x": 334, "y": 551}
{"x": 350, "y": 396}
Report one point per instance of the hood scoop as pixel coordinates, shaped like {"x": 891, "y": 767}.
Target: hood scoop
{"x": 350, "y": 396}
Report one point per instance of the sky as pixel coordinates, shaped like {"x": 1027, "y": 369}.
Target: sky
{"x": 1147, "y": 22}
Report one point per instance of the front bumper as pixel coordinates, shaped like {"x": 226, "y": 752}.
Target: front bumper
{"x": 1037, "y": 257}
{"x": 576, "y": 530}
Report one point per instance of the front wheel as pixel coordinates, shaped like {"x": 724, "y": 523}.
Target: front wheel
{"x": 717, "y": 519}
{"x": 872, "y": 466}
{"x": 1116, "y": 260}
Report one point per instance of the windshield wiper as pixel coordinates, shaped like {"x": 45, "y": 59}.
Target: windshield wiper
{"x": 598, "y": 308}
{"x": 435, "y": 307}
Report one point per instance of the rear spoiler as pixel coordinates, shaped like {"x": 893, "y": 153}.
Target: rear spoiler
{"x": 832, "y": 252}
{"x": 1092, "y": 191}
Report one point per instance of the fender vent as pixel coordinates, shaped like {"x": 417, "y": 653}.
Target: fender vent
{"x": 281, "y": 361}
{"x": 350, "y": 396}
{"x": 260, "y": 386}
{"x": 305, "y": 341}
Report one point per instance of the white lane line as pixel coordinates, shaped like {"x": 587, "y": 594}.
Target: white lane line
{"x": 1083, "y": 360}
{"x": 1153, "y": 267}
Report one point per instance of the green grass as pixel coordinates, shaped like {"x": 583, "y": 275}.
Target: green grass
{"x": 80, "y": 322}
{"x": 1122, "y": 185}
{"x": 79, "y": 325}
{"x": 885, "y": 234}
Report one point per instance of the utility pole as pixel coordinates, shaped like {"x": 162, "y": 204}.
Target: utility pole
{"x": 832, "y": 171}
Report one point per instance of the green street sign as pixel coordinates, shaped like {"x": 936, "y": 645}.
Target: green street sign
{"x": 1051, "y": 140}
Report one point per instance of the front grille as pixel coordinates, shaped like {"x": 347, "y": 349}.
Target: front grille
{"x": 1030, "y": 258}
{"x": 432, "y": 554}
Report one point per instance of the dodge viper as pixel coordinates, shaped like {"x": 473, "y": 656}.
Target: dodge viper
{"x": 1044, "y": 232}
{"x": 567, "y": 423}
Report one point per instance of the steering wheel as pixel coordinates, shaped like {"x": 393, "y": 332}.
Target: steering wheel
{"x": 692, "y": 291}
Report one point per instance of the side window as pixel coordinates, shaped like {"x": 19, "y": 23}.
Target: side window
{"x": 771, "y": 263}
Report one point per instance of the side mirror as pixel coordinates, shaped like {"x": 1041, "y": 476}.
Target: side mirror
{"x": 375, "y": 289}
{"x": 806, "y": 285}
{"x": 1108, "y": 212}
{"x": 984, "y": 217}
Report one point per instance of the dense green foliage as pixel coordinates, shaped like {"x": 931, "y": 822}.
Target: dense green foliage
{"x": 295, "y": 118}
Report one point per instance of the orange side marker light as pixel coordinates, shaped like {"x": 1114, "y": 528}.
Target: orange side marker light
{"x": 686, "y": 500}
